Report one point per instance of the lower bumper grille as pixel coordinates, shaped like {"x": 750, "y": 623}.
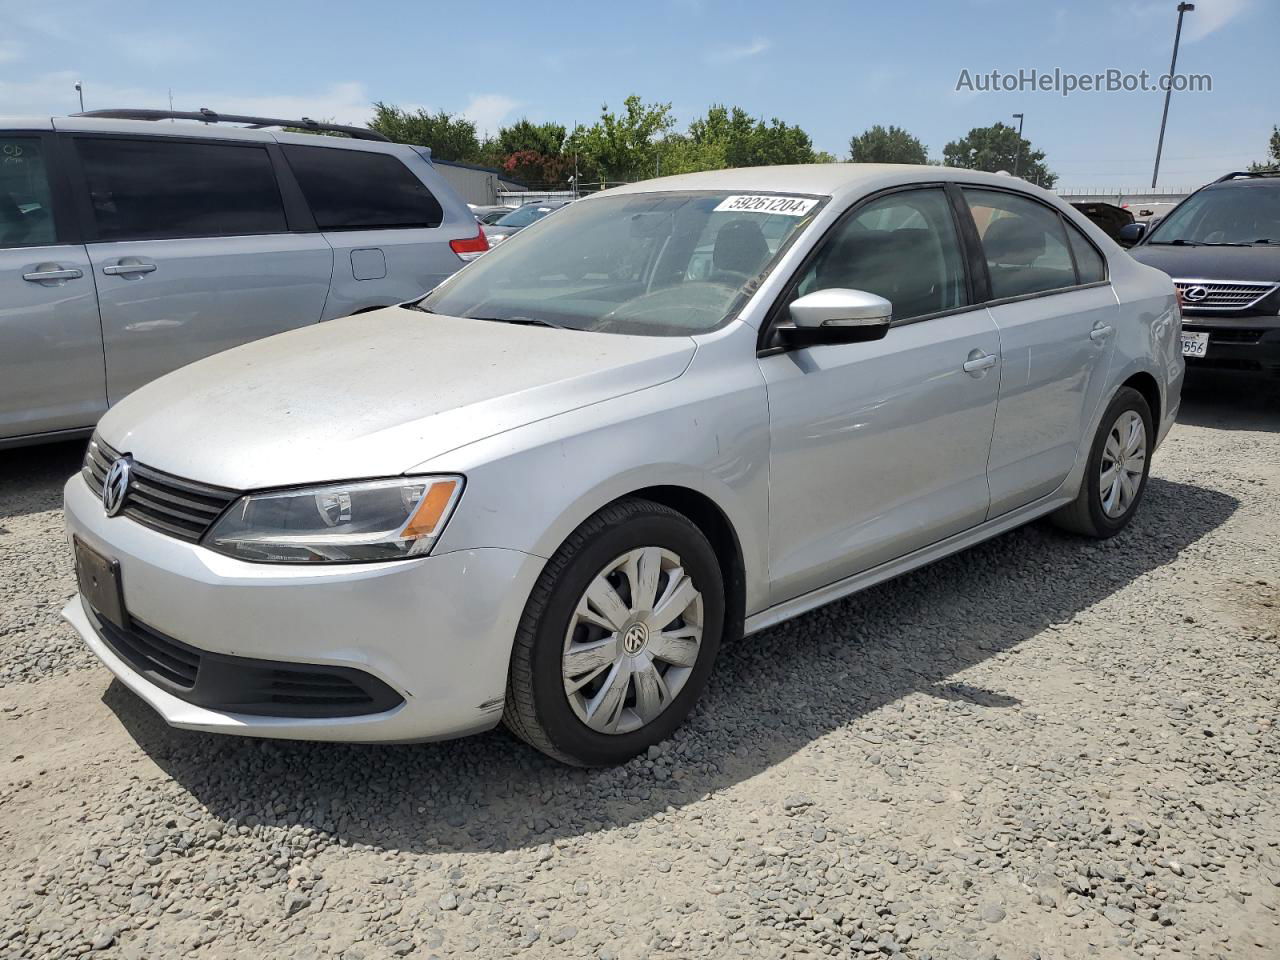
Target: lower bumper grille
{"x": 245, "y": 685}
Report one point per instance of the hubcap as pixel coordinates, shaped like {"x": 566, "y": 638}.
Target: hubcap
{"x": 632, "y": 641}
{"x": 1124, "y": 459}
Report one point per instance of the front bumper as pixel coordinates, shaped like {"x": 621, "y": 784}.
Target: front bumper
{"x": 1249, "y": 342}
{"x": 437, "y": 630}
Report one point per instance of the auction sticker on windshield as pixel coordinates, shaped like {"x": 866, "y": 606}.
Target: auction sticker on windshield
{"x": 748, "y": 203}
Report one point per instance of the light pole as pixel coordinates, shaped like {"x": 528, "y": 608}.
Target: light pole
{"x": 1183, "y": 8}
{"x": 80, "y": 91}
{"x": 1017, "y": 157}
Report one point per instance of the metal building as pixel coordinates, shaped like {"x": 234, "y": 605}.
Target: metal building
{"x": 478, "y": 185}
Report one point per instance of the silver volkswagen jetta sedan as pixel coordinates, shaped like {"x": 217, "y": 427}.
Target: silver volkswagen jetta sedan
{"x": 674, "y": 413}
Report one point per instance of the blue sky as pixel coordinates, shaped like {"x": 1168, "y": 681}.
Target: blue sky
{"x": 835, "y": 68}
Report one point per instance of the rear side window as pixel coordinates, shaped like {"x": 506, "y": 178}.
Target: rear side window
{"x": 1025, "y": 244}
{"x": 155, "y": 189}
{"x": 359, "y": 190}
{"x": 26, "y": 202}
{"x": 1089, "y": 264}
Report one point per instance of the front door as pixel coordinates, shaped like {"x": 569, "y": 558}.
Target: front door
{"x": 878, "y": 449}
{"x": 51, "y": 374}
{"x": 192, "y": 252}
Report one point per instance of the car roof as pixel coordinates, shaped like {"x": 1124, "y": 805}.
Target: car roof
{"x": 823, "y": 179}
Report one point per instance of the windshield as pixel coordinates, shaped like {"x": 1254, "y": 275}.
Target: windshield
{"x": 523, "y": 216}
{"x": 655, "y": 264}
{"x": 1224, "y": 215}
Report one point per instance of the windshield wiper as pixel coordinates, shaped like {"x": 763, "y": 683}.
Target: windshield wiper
{"x": 520, "y": 321}
{"x": 1264, "y": 240}
{"x": 1224, "y": 243}
{"x": 1173, "y": 243}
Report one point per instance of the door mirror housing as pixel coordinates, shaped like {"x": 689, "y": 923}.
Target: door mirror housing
{"x": 837, "y": 315}
{"x": 1131, "y": 233}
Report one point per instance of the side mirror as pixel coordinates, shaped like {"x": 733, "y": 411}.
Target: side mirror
{"x": 837, "y": 315}
{"x": 1131, "y": 233}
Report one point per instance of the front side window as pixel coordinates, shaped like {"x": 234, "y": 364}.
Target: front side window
{"x": 1228, "y": 215}
{"x": 1025, "y": 244}
{"x": 653, "y": 264}
{"x": 359, "y": 190}
{"x": 902, "y": 247}
{"x": 26, "y": 201}
{"x": 154, "y": 189}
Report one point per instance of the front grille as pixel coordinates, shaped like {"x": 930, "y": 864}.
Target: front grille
{"x": 247, "y": 685}
{"x": 1224, "y": 294}
{"x": 1228, "y": 334}
{"x": 180, "y": 508}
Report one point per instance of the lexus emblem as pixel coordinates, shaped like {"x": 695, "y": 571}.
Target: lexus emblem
{"x": 1195, "y": 294}
{"x": 116, "y": 486}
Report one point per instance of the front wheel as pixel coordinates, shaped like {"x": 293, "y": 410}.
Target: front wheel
{"x": 1116, "y": 474}
{"x": 618, "y": 637}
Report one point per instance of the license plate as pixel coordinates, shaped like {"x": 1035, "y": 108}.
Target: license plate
{"x": 99, "y": 580}
{"x": 1195, "y": 344}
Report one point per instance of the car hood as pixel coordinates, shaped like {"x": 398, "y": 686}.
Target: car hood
{"x": 493, "y": 230}
{"x": 1212, "y": 263}
{"x": 373, "y": 395}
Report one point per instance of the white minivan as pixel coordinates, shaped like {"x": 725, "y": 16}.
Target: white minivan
{"x": 130, "y": 247}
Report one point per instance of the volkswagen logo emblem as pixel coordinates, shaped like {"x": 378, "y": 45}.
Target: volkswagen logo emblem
{"x": 116, "y": 486}
{"x": 1194, "y": 294}
{"x": 634, "y": 640}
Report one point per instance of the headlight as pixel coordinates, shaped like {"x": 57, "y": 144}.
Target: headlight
{"x": 338, "y": 523}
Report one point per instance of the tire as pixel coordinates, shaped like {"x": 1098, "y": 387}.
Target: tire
{"x": 558, "y": 623}
{"x": 1088, "y": 514}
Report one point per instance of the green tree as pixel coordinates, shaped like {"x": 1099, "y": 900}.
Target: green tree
{"x": 544, "y": 138}
{"x": 450, "y": 136}
{"x": 625, "y": 145}
{"x": 887, "y": 145}
{"x": 999, "y": 147}
{"x": 1272, "y": 162}
{"x": 740, "y": 140}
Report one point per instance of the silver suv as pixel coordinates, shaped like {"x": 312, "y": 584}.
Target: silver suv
{"x": 129, "y": 247}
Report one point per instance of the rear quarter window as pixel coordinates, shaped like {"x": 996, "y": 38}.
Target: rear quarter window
{"x": 360, "y": 190}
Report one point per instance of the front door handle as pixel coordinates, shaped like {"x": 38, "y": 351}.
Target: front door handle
{"x": 979, "y": 363}
{"x": 45, "y": 272}
{"x": 127, "y": 269}
{"x": 1100, "y": 333}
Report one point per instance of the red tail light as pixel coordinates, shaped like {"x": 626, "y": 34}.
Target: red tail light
{"x": 471, "y": 247}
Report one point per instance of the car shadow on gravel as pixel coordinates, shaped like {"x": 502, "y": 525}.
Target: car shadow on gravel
{"x": 1231, "y": 401}
{"x": 31, "y": 478}
{"x": 771, "y": 695}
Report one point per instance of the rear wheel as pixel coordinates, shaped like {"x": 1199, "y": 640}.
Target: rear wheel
{"x": 1116, "y": 475}
{"x": 618, "y": 637}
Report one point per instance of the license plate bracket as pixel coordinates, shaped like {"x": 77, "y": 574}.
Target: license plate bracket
{"x": 99, "y": 580}
{"x": 1195, "y": 344}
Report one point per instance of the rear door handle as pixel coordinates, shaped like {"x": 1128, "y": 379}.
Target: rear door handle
{"x": 1100, "y": 332}
{"x": 124, "y": 269}
{"x": 47, "y": 272}
{"x": 981, "y": 363}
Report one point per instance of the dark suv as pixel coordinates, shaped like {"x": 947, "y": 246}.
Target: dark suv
{"x": 1221, "y": 246}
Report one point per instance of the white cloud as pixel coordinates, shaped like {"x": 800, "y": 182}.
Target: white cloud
{"x": 740, "y": 52}
{"x": 10, "y": 50}
{"x": 488, "y": 110}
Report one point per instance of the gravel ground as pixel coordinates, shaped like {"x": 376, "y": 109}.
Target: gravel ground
{"x": 1044, "y": 747}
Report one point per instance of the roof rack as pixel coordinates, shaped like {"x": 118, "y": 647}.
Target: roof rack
{"x": 205, "y": 115}
{"x": 1247, "y": 173}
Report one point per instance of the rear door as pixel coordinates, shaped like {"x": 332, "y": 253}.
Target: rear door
{"x": 51, "y": 375}
{"x": 192, "y": 250}
{"x": 386, "y": 227}
{"x": 1056, "y": 312}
